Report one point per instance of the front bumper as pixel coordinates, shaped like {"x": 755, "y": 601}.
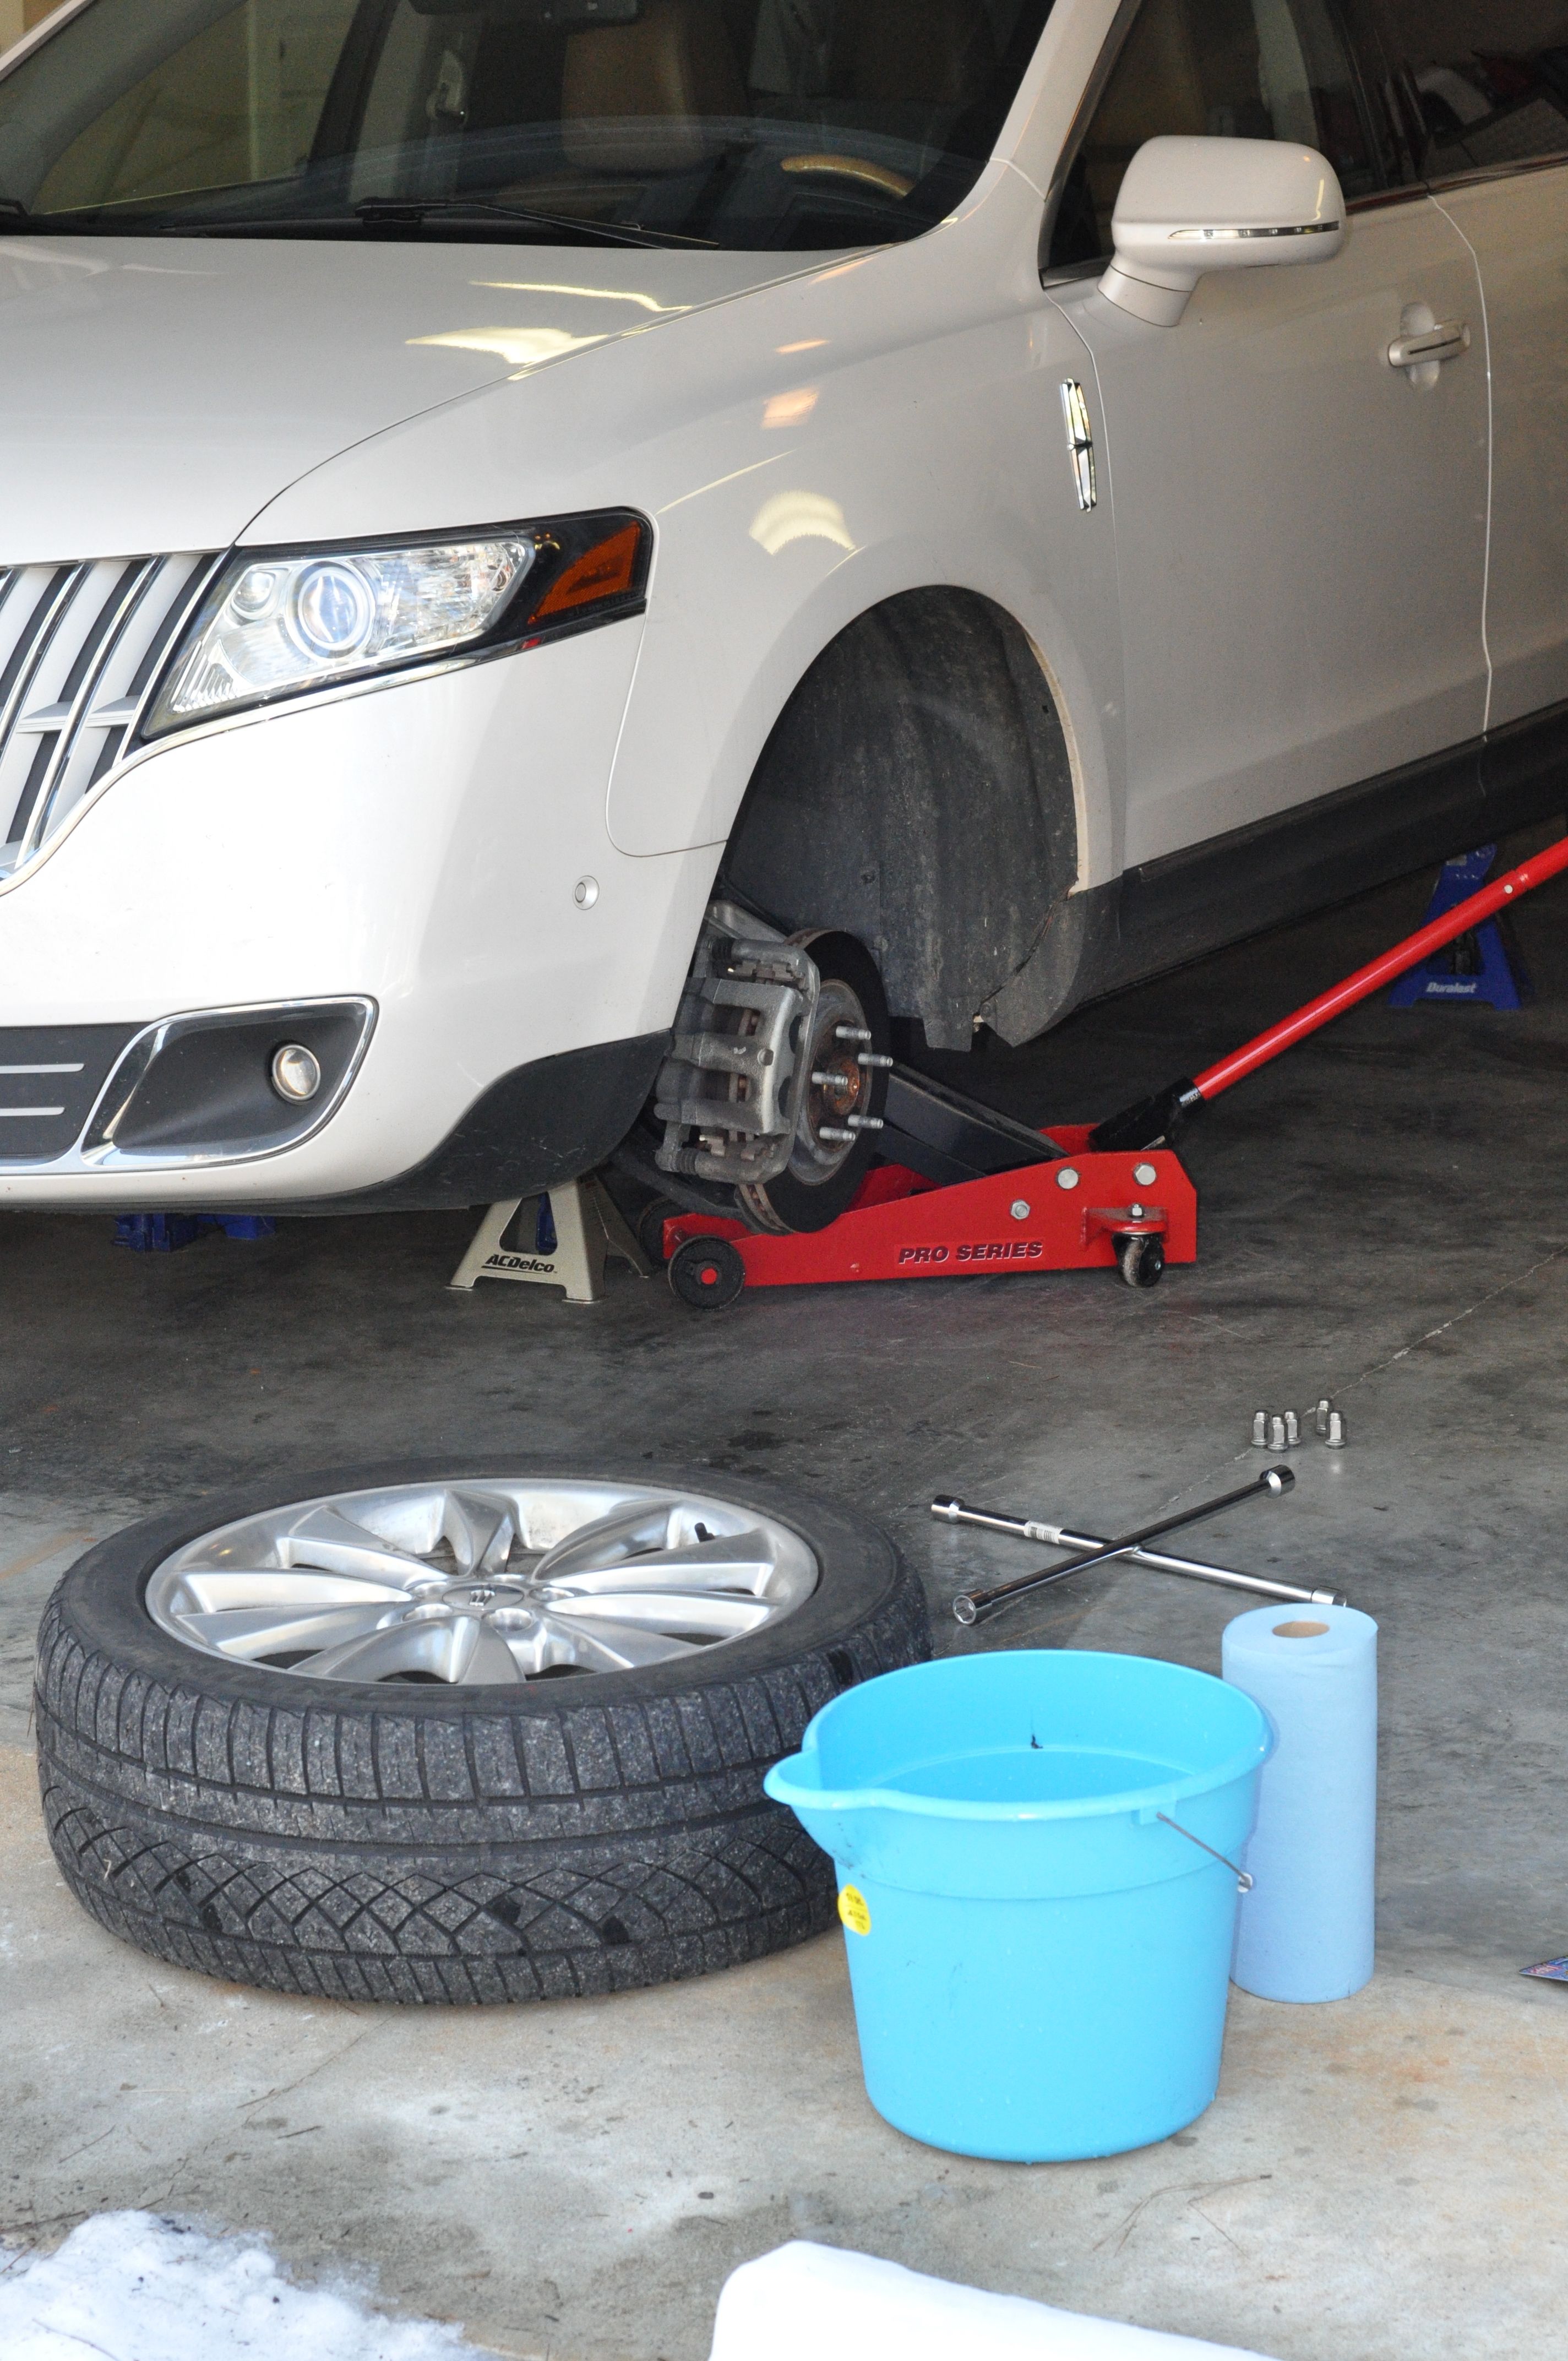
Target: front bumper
{"x": 416, "y": 852}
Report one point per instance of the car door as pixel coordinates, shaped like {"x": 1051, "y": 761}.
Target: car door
{"x": 1300, "y": 525}
{"x": 1482, "y": 86}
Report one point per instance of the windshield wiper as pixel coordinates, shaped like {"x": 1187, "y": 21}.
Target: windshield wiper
{"x": 375, "y": 211}
{"x": 408, "y": 213}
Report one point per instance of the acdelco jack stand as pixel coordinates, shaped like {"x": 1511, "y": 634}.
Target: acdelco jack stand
{"x": 574, "y": 1231}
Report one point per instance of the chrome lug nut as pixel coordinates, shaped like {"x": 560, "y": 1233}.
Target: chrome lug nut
{"x": 1320, "y": 1416}
{"x": 1292, "y": 1430}
{"x": 1260, "y": 1429}
{"x": 1276, "y": 1431}
{"x": 1335, "y": 1438}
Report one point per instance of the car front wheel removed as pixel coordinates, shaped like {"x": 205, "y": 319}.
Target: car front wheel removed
{"x": 481, "y": 1732}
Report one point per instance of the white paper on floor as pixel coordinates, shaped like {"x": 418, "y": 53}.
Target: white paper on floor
{"x": 818, "y": 2301}
{"x": 138, "y": 2287}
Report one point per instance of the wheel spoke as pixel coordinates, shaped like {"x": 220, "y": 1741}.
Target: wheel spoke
{"x": 246, "y": 1633}
{"x": 717, "y": 1614}
{"x": 480, "y": 1529}
{"x": 238, "y": 1587}
{"x": 325, "y": 1537}
{"x": 488, "y": 1663}
{"x": 625, "y": 1533}
{"x": 614, "y": 1647}
{"x": 733, "y": 1562}
{"x": 400, "y": 1648}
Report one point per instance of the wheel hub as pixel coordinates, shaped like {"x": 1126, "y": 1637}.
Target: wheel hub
{"x": 838, "y": 1083}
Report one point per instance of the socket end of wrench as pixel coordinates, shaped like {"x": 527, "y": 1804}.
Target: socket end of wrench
{"x": 947, "y": 1504}
{"x": 1327, "y": 1598}
{"x": 964, "y": 1609}
{"x": 1279, "y": 1480}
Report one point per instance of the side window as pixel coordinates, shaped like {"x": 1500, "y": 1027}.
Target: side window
{"x": 1230, "y": 69}
{"x": 238, "y": 104}
{"x": 1483, "y": 83}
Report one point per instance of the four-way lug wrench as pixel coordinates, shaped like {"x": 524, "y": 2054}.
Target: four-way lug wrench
{"x": 975, "y": 1605}
{"x": 954, "y": 1512}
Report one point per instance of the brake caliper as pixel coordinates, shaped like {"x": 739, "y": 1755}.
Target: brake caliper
{"x": 728, "y": 1094}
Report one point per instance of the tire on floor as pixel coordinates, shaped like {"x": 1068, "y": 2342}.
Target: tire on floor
{"x": 427, "y": 1843}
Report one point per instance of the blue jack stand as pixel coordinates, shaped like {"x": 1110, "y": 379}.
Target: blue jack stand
{"x": 1477, "y": 966}
{"x": 167, "y": 1233}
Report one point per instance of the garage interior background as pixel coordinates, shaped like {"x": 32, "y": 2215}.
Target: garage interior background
{"x": 1384, "y": 1221}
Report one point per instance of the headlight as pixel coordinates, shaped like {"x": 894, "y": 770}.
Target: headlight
{"x": 276, "y": 624}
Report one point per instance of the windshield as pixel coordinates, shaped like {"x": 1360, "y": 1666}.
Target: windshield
{"x": 724, "y": 123}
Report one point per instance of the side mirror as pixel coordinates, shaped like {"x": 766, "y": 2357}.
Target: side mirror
{"x": 1188, "y": 206}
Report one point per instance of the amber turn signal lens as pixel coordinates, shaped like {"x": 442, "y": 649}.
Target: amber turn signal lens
{"x": 609, "y": 570}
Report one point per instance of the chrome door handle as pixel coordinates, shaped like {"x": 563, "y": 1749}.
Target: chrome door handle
{"x": 1426, "y": 347}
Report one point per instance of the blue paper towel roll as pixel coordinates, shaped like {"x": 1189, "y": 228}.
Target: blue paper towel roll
{"x": 1305, "y": 1931}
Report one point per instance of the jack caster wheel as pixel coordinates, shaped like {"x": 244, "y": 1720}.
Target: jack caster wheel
{"x": 1140, "y": 1260}
{"x": 706, "y": 1273}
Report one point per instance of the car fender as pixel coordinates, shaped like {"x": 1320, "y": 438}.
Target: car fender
{"x": 884, "y": 422}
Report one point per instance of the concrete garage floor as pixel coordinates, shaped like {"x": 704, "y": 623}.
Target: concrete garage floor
{"x": 1383, "y": 1219}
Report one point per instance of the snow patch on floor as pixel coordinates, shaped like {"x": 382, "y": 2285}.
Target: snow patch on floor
{"x": 137, "y": 2287}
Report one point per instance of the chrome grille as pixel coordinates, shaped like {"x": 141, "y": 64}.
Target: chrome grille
{"x": 80, "y": 647}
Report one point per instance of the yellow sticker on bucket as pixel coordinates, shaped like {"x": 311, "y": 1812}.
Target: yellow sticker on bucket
{"x": 853, "y": 1911}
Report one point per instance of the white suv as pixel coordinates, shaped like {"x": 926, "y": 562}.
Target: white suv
{"x": 559, "y": 559}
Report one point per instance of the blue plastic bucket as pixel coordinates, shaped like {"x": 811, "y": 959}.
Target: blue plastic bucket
{"x": 1040, "y": 1964}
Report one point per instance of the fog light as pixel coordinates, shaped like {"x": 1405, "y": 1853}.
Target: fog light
{"x": 296, "y": 1072}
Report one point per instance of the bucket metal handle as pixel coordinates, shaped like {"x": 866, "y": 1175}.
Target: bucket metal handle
{"x": 1245, "y": 1882}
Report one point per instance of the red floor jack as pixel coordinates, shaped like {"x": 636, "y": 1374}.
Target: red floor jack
{"x": 970, "y": 1193}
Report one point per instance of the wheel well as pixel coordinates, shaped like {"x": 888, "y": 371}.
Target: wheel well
{"x": 916, "y": 792}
